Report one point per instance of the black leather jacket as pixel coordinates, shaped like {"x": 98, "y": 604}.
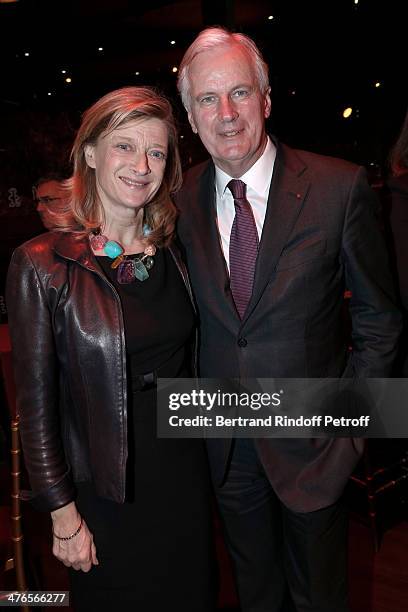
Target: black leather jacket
{"x": 69, "y": 357}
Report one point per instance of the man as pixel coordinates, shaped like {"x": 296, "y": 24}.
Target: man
{"x": 270, "y": 255}
{"x": 49, "y": 195}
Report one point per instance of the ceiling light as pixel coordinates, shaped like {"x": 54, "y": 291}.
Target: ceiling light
{"x": 172, "y": 42}
{"x": 100, "y": 48}
{"x": 68, "y": 80}
{"x": 27, "y": 54}
{"x": 174, "y": 69}
{"x": 378, "y": 84}
{"x": 137, "y": 73}
{"x": 270, "y": 17}
{"x": 347, "y": 112}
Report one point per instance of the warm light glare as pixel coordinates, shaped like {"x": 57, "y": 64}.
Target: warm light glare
{"x": 137, "y": 73}
{"x": 68, "y": 80}
{"x": 378, "y": 84}
{"x": 174, "y": 69}
{"x": 347, "y": 112}
{"x": 355, "y": 1}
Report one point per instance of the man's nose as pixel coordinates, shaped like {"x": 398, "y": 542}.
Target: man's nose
{"x": 226, "y": 110}
{"x": 140, "y": 164}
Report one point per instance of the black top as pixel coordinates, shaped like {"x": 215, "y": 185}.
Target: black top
{"x": 158, "y": 316}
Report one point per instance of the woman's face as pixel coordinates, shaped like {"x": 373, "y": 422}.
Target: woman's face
{"x": 129, "y": 164}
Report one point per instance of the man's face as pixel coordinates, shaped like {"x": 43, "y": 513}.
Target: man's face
{"x": 48, "y": 195}
{"x": 227, "y": 110}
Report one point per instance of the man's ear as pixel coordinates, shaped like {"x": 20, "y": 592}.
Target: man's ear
{"x": 90, "y": 155}
{"x": 267, "y": 103}
{"x": 192, "y": 123}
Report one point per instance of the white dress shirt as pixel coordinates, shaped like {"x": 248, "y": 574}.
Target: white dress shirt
{"x": 258, "y": 180}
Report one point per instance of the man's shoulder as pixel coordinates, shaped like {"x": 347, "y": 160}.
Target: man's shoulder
{"x": 198, "y": 173}
{"x": 316, "y": 163}
{"x": 195, "y": 180}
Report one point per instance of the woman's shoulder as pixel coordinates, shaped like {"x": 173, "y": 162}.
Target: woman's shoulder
{"x": 39, "y": 243}
{"x": 41, "y": 248}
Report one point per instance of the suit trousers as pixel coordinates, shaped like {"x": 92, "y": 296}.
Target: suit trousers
{"x": 283, "y": 561}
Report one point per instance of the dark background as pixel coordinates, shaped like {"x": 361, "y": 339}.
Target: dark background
{"x": 323, "y": 57}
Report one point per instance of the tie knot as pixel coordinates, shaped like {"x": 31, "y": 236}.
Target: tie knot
{"x": 238, "y": 189}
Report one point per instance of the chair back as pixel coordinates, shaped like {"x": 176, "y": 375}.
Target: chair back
{"x": 16, "y": 462}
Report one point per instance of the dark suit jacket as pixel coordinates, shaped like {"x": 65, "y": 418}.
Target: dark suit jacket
{"x": 398, "y": 200}
{"x": 320, "y": 236}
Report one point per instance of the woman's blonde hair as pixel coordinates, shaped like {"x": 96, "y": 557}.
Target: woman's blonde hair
{"x": 84, "y": 212}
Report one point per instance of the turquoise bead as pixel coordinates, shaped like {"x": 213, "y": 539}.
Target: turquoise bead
{"x": 112, "y": 249}
{"x": 140, "y": 270}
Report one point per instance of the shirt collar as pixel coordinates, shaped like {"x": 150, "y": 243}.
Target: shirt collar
{"x": 258, "y": 177}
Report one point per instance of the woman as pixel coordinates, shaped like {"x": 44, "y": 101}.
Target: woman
{"x": 97, "y": 311}
{"x": 397, "y": 187}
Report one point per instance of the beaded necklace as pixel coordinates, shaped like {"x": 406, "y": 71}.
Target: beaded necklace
{"x": 129, "y": 268}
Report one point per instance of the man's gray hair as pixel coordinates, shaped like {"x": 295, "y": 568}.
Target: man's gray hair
{"x": 213, "y": 38}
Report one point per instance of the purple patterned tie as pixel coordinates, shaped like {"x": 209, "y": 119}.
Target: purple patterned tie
{"x": 243, "y": 249}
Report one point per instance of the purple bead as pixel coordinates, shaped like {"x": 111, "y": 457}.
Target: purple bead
{"x": 125, "y": 272}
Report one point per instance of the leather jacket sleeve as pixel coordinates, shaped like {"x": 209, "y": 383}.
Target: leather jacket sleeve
{"x": 36, "y": 374}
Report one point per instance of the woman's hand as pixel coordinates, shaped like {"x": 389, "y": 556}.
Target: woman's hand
{"x": 79, "y": 552}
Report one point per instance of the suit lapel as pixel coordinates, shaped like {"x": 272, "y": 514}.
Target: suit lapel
{"x": 288, "y": 190}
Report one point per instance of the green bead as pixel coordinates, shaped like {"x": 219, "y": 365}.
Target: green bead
{"x": 140, "y": 270}
{"x": 112, "y": 249}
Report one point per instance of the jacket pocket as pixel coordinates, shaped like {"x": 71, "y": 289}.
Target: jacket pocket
{"x": 301, "y": 254}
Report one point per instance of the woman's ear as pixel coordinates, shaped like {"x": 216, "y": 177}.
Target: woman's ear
{"x": 90, "y": 155}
